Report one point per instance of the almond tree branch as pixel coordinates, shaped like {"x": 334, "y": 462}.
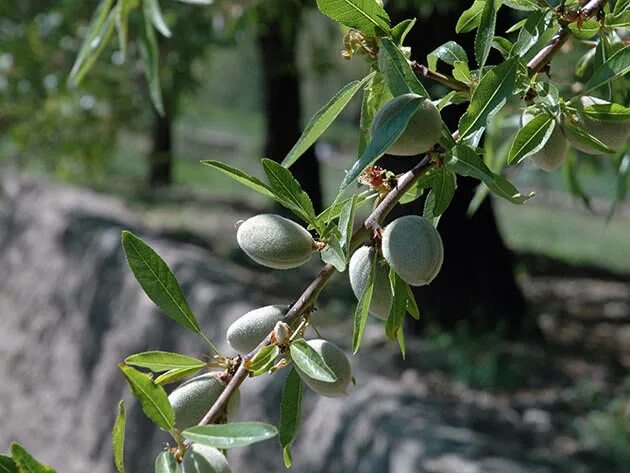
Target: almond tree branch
{"x": 423, "y": 71}
{"x": 310, "y": 294}
{"x": 372, "y": 223}
{"x": 544, "y": 56}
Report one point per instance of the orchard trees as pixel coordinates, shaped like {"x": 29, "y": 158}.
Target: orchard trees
{"x": 408, "y": 250}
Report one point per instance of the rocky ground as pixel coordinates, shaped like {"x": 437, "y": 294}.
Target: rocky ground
{"x": 70, "y": 311}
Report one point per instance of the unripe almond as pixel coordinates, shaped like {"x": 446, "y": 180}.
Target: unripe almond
{"x": 359, "y": 271}
{"x": 248, "y": 331}
{"x": 193, "y": 398}
{"x": 555, "y": 149}
{"x": 413, "y": 248}
{"x": 613, "y": 134}
{"x": 423, "y": 130}
{"x": 275, "y": 241}
{"x": 205, "y": 459}
{"x": 338, "y": 362}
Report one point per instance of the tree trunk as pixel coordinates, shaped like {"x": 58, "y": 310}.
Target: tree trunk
{"x": 277, "y": 42}
{"x": 476, "y": 284}
{"x": 161, "y": 156}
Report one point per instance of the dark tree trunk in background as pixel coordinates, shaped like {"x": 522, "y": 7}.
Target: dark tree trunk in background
{"x": 476, "y": 283}
{"x": 277, "y": 43}
{"x": 161, "y": 156}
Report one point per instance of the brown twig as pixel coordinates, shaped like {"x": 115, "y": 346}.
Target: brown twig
{"x": 423, "y": 71}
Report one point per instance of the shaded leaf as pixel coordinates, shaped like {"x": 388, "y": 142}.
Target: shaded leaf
{"x": 151, "y": 396}
{"x": 334, "y": 254}
{"x": 155, "y": 13}
{"x": 400, "y": 31}
{"x": 237, "y": 434}
{"x": 362, "y": 309}
{"x": 470, "y": 18}
{"x": 290, "y": 413}
{"x": 177, "y": 374}
{"x": 607, "y": 112}
{"x": 310, "y": 362}
{"x": 485, "y": 31}
{"x": 346, "y": 222}
{"x": 7, "y": 465}
{"x": 387, "y": 133}
{"x": 450, "y": 52}
{"x": 443, "y": 189}
{"x": 466, "y": 162}
{"x": 506, "y": 190}
{"x": 398, "y": 308}
{"x": 583, "y": 136}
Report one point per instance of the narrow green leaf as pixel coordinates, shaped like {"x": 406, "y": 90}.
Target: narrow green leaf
{"x": 335, "y": 210}
{"x": 400, "y": 31}
{"x": 531, "y": 138}
{"x": 151, "y": 396}
{"x": 571, "y": 175}
{"x": 398, "y": 308}
{"x": 585, "y": 29}
{"x": 583, "y": 136}
{"x": 398, "y": 74}
{"x": 621, "y": 6}
{"x": 165, "y": 463}
{"x": 242, "y": 177}
{"x": 466, "y": 162}
{"x": 238, "y": 434}
{"x": 288, "y": 191}
{"x": 176, "y": 374}
{"x": 25, "y": 462}
{"x": 506, "y": 190}
{"x": 469, "y": 19}
{"x": 387, "y": 134}
{"x": 334, "y": 254}
{"x": 155, "y": 12}
{"x": 290, "y": 413}
{"x": 7, "y": 465}
{"x": 611, "y": 112}
{"x": 158, "y": 281}
{"x": 99, "y": 32}
{"x": 491, "y": 94}
{"x": 534, "y": 25}
{"x": 450, "y": 52}
{"x": 362, "y": 310}
{"x": 366, "y": 16}
{"x": 150, "y": 54}
{"x": 616, "y": 66}
{"x": 310, "y": 362}
{"x": 118, "y": 437}
{"x": 623, "y": 178}
{"x": 123, "y": 7}
{"x": 485, "y": 32}
{"x": 346, "y": 222}
{"x": 323, "y": 119}
{"x": 412, "y": 306}
{"x": 443, "y": 187}
{"x": 158, "y": 361}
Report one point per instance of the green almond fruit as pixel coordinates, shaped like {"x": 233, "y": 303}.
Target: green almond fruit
{"x": 275, "y": 242}
{"x": 423, "y": 130}
{"x": 359, "y": 271}
{"x": 338, "y": 362}
{"x": 551, "y": 155}
{"x": 248, "y": 331}
{"x": 613, "y": 134}
{"x": 413, "y": 248}
{"x": 204, "y": 459}
{"x": 193, "y": 398}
